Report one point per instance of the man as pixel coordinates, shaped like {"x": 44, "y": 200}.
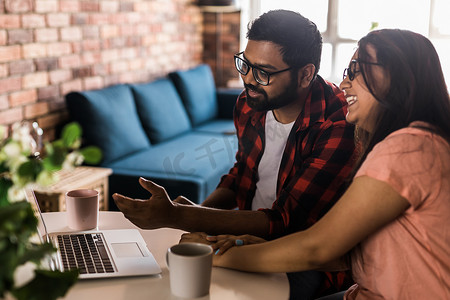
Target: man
{"x": 295, "y": 147}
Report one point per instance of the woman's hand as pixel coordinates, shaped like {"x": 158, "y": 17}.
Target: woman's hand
{"x": 221, "y": 243}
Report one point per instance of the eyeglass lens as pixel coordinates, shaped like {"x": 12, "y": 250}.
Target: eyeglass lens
{"x": 243, "y": 67}
{"x": 350, "y": 71}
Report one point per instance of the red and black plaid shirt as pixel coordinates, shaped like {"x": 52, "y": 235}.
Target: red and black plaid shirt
{"x": 316, "y": 161}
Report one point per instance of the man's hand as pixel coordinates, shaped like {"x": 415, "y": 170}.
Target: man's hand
{"x": 147, "y": 214}
{"x": 195, "y": 237}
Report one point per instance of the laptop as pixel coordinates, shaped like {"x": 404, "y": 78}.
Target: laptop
{"x": 97, "y": 254}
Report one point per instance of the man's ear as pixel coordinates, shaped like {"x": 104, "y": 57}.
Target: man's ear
{"x": 306, "y": 75}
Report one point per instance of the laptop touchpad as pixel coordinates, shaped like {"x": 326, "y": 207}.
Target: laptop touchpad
{"x": 127, "y": 250}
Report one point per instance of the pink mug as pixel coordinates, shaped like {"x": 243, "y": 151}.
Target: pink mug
{"x": 82, "y": 209}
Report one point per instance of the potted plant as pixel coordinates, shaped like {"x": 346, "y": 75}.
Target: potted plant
{"x": 23, "y": 163}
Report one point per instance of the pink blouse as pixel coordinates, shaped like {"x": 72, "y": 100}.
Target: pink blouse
{"x": 408, "y": 258}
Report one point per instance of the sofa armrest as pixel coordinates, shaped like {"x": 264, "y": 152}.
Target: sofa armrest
{"x": 226, "y": 98}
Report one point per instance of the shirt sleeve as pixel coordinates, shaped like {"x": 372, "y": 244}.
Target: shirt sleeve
{"x": 318, "y": 182}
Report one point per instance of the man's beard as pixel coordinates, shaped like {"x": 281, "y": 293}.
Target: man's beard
{"x": 288, "y": 96}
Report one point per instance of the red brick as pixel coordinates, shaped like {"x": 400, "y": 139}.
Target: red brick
{"x": 33, "y": 21}
{"x": 90, "y": 58}
{"x": 71, "y": 86}
{"x": 126, "y": 29}
{"x": 100, "y": 70}
{"x": 71, "y": 34}
{"x": 93, "y": 83}
{"x": 9, "y": 53}
{"x": 58, "y": 19}
{"x": 18, "y": 6}
{"x": 11, "y": 116}
{"x": 134, "y": 41}
{"x": 9, "y": 21}
{"x": 56, "y": 104}
{"x": 58, "y": 49}
{"x": 44, "y": 35}
{"x": 58, "y": 76}
{"x": 111, "y": 79}
{"x": 109, "y": 6}
{"x": 109, "y": 31}
{"x": 117, "y": 42}
{"x": 69, "y": 61}
{"x": 82, "y": 72}
{"x": 4, "y": 104}
{"x": 18, "y": 67}
{"x": 80, "y": 19}
{"x": 3, "y": 70}
{"x": 10, "y": 84}
{"x": 90, "y": 45}
{"x": 126, "y": 6}
{"x": 69, "y": 5}
{"x": 3, "y": 37}
{"x": 76, "y": 47}
{"x": 98, "y": 19}
{"x": 89, "y": 5}
{"x": 48, "y": 92}
{"x": 134, "y": 18}
{"x": 33, "y": 80}
{"x": 118, "y": 66}
{"x": 136, "y": 64}
{"x": 45, "y": 6}
{"x": 91, "y": 32}
{"x": 46, "y": 63}
{"x": 20, "y": 36}
{"x": 51, "y": 120}
{"x": 23, "y": 97}
{"x": 34, "y": 50}
{"x": 110, "y": 55}
{"x": 35, "y": 110}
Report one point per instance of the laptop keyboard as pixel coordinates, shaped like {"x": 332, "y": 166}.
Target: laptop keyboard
{"x": 85, "y": 252}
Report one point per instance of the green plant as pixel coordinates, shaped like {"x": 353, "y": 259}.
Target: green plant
{"x": 20, "y": 166}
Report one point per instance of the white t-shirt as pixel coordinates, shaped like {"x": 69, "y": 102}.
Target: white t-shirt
{"x": 276, "y": 137}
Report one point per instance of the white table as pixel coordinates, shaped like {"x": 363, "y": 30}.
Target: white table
{"x": 225, "y": 284}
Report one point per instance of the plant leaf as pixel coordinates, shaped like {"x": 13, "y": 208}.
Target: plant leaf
{"x": 92, "y": 154}
{"x": 46, "y": 285}
{"x": 70, "y": 134}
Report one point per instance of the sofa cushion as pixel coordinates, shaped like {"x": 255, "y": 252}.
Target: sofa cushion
{"x": 220, "y": 126}
{"x": 194, "y": 157}
{"x": 198, "y": 92}
{"x": 161, "y": 111}
{"x": 109, "y": 120}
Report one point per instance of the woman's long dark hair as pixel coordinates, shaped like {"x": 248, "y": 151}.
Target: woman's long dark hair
{"x": 417, "y": 89}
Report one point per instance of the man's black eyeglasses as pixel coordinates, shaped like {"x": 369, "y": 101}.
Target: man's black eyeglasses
{"x": 262, "y": 77}
{"x": 351, "y": 71}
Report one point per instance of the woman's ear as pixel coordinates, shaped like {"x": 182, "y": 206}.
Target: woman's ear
{"x": 306, "y": 75}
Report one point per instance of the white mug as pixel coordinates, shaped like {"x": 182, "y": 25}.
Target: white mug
{"x": 82, "y": 209}
{"x": 190, "y": 267}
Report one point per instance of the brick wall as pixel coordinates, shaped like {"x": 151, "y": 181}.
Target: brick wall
{"x": 51, "y": 47}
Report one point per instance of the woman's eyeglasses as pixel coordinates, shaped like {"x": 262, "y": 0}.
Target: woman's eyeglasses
{"x": 262, "y": 77}
{"x": 351, "y": 71}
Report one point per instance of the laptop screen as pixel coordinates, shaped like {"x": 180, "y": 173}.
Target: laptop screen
{"x": 41, "y": 228}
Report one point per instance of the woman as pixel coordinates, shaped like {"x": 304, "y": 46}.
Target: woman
{"x": 391, "y": 227}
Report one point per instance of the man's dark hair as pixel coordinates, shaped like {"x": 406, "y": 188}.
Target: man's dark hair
{"x": 299, "y": 39}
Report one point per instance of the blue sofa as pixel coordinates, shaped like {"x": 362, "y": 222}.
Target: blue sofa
{"x": 177, "y": 131}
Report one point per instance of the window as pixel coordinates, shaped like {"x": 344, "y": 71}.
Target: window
{"x": 343, "y": 22}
